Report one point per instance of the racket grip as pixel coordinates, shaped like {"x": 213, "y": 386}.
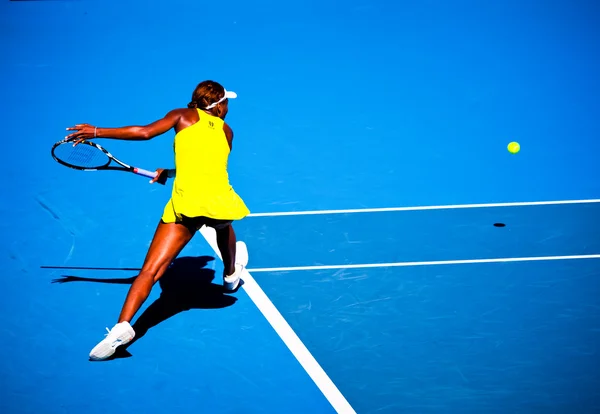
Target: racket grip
{"x": 146, "y": 173}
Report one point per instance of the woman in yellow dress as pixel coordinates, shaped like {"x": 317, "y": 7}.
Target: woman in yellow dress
{"x": 201, "y": 195}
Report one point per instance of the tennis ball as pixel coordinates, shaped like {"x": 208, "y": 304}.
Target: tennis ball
{"x": 514, "y": 147}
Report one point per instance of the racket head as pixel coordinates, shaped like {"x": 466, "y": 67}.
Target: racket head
{"x": 84, "y": 156}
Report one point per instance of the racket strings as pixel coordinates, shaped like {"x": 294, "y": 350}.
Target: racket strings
{"x": 82, "y": 155}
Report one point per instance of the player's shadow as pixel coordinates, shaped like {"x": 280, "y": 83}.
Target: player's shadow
{"x": 187, "y": 284}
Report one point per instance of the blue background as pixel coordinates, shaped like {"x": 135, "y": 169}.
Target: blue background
{"x": 341, "y": 105}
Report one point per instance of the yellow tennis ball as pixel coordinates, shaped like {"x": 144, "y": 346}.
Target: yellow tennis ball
{"x": 514, "y": 147}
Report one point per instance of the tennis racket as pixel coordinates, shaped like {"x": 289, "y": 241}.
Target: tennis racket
{"x": 89, "y": 156}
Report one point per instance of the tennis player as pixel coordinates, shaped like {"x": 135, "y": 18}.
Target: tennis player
{"x": 201, "y": 195}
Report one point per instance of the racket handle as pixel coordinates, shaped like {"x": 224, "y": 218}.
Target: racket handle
{"x": 146, "y": 173}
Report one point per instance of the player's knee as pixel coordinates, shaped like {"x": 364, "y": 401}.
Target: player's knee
{"x": 153, "y": 273}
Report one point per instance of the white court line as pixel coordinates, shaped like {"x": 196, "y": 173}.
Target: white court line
{"x": 287, "y": 334}
{"x": 414, "y": 208}
{"x": 429, "y": 263}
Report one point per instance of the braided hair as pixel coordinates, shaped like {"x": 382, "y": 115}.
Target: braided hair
{"x": 206, "y": 93}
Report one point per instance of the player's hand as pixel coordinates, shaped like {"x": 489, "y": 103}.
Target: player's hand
{"x": 82, "y": 132}
{"x": 161, "y": 176}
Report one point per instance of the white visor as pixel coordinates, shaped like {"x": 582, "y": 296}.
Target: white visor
{"x": 228, "y": 95}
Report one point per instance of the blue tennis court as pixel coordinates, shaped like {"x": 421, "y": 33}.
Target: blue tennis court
{"x": 401, "y": 259}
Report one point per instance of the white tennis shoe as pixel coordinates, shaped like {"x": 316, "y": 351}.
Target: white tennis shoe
{"x": 121, "y": 334}
{"x": 231, "y": 282}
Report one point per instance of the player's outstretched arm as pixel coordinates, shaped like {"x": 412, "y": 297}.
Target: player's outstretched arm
{"x": 133, "y": 133}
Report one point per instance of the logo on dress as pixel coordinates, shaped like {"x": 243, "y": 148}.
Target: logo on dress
{"x": 211, "y": 124}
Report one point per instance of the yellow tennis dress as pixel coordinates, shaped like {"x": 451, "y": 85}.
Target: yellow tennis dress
{"x": 201, "y": 187}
